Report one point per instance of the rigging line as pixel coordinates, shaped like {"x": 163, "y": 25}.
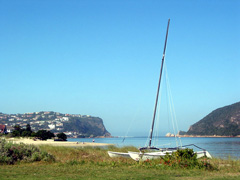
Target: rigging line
{"x": 174, "y": 112}
{"x": 175, "y": 117}
{"x": 169, "y": 98}
{"x": 160, "y": 102}
{"x": 157, "y": 121}
{"x": 129, "y": 127}
{"x": 156, "y": 134}
{"x": 167, "y": 95}
{"x": 173, "y": 109}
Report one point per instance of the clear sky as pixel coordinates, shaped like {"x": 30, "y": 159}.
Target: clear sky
{"x": 102, "y": 58}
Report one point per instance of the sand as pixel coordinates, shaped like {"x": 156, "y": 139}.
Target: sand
{"x": 57, "y": 143}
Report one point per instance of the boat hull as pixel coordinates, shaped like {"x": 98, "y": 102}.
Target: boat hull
{"x": 201, "y": 154}
{"x": 146, "y": 156}
{"x": 118, "y": 154}
{"x": 137, "y": 156}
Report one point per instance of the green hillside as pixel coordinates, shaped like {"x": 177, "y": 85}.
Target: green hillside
{"x": 224, "y": 121}
{"x": 86, "y": 126}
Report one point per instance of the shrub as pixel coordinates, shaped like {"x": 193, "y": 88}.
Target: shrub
{"x": 185, "y": 158}
{"x": 11, "y": 153}
{"x": 62, "y": 136}
{"x": 44, "y": 134}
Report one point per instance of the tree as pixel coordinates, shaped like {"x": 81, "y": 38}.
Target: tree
{"x": 62, "y": 136}
{"x": 26, "y": 132}
{"x": 17, "y": 127}
{"x": 44, "y": 134}
{"x": 28, "y": 128}
{"x": 17, "y": 131}
{"x": 33, "y": 134}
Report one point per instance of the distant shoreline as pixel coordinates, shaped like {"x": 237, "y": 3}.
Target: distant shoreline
{"x": 97, "y": 137}
{"x": 214, "y": 136}
{"x": 56, "y": 143}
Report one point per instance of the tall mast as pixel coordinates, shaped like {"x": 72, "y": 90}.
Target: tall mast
{"x": 159, "y": 82}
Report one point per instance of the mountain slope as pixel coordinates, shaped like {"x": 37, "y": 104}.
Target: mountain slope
{"x": 224, "y": 121}
{"x": 73, "y": 124}
{"x": 86, "y": 126}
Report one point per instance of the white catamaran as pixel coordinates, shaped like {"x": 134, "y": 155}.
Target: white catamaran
{"x": 151, "y": 152}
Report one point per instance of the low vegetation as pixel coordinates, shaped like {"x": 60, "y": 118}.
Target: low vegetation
{"x": 12, "y": 153}
{"x": 186, "y": 158}
{"x": 94, "y": 163}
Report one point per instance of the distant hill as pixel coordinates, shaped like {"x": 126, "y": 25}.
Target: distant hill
{"x": 87, "y": 126}
{"x": 74, "y": 125}
{"x": 224, "y": 121}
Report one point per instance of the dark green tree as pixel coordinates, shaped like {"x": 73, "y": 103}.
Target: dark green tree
{"x": 62, "y": 136}
{"x": 17, "y": 128}
{"x": 28, "y": 128}
{"x": 44, "y": 134}
{"x": 33, "y": 134}
{"x": 17, "y": 131}
{"x": 26, "y": 132}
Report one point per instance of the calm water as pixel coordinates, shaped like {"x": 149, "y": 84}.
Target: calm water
{"x": 217, "y": 147}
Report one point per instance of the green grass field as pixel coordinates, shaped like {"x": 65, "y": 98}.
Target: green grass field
{"x": 94, "y": 163}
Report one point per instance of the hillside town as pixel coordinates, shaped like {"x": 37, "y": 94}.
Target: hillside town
{"x": 47, "y": 120}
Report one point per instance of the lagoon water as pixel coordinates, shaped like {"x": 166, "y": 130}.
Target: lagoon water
{"x": 217, "y": 147}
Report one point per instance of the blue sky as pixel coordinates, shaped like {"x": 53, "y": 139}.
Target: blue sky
{"x": 102, "y": 58}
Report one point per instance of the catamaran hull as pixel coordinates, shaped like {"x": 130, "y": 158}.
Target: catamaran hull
{"x": 145, "y": 156}
{"x": 203, "y": 154}
{"x": 134, "y": 155}
{"x": 156, "y": 155}
{"x": 118, "y": 154}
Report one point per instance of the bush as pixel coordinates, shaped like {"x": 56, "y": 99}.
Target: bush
{"x": 62, "y": 136}
{"x": 44, "y": 134}
{"x": 11, "y": 153}
{"x": 185, "y": 158}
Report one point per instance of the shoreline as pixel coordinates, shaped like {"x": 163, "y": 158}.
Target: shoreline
{"x": 56, "y": 143}
{"x": 214, "y": 136}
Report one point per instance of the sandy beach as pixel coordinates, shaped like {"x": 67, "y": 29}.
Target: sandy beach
{"x": 56, "y": 143}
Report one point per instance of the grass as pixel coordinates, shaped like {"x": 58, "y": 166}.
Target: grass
{"x": 94, "y": 163}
